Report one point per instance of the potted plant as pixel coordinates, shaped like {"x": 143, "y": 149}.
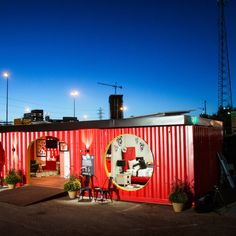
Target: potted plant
{"x": 12, "y": 178}
{"x": 178, "y": 195}
{"x": 72, "y": 186}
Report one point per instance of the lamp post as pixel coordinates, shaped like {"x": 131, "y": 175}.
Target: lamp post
{"x": 6, "y": 76}
{"x": 74, "y": 94}
{"x": 123, "y": 109}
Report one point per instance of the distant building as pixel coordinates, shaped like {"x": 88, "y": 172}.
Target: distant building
{"x": 69, "y": 119}
{"x": 116, "y": 105}
{"x": 27, "y": 115}
{"x": 37, "y": 115}
{"x": 30, "y": 117}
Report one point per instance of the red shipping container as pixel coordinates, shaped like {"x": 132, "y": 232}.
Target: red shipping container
{"x": 180, "y": 149}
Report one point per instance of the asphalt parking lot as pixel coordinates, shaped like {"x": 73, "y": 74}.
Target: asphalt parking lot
{"x": 63, "y": 216}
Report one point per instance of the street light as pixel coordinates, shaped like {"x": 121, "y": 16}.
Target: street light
{"x": 27, "y": 110}
{"x": 74, "y": 94}
{"x": 6, "y": 76}
{"x": 124, "y": 108}
{"x": 85, "y": 117}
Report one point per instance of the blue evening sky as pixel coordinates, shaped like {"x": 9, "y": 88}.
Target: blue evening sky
{"x": 163, "y": 53}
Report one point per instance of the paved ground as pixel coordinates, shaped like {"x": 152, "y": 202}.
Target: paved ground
{"x": 63, "y": 216}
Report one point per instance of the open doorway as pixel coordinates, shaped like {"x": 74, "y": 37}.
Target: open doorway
{"x": 48, "y": 158}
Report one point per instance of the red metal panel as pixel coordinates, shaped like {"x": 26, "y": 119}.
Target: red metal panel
{"x": 207, "y": 142}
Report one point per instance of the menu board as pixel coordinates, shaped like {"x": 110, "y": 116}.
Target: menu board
{"x": 87, "y": 165}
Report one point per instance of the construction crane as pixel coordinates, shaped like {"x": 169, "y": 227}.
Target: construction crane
{"x": 224, "y": 80}
{"x": 112, "y": 85}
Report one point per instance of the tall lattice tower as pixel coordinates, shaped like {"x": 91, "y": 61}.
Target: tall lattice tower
{"x": 224, "y": 80}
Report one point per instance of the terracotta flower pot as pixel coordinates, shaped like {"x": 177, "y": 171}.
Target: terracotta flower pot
{"x": 178, "y": 207}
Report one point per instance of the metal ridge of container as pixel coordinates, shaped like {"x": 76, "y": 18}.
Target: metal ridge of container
{"x": 146, "y": 121}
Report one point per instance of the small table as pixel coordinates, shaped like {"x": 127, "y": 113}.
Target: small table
{"x": 123, "y": 179}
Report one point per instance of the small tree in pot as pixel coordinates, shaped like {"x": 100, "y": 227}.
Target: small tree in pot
{"x": 12, "y": 178}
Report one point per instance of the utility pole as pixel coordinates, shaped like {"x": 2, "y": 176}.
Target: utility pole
{"x": 205, "y": 107}
{"x": 6, "y": 76}
{"x": 100, "y": 113}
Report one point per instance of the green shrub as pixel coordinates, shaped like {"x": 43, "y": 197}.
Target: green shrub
{"x": 178, "y": 197}
{"x": 72, "y": 184}
{"x": 12, "y": 177}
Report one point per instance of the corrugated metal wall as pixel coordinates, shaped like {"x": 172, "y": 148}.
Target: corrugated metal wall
{"x": 173, "y": 149}
{"x": 207, "y": 142}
